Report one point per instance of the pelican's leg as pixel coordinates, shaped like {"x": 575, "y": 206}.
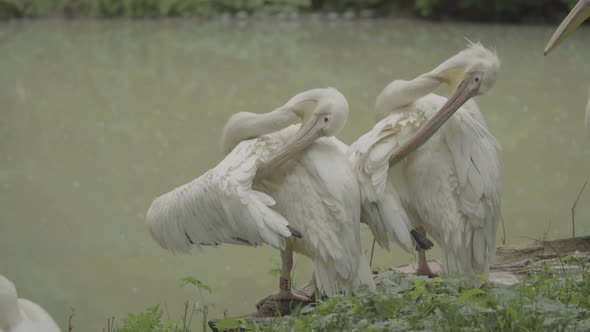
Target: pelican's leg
{"x": 285, "y": 292}
{"x": 423, "y": 268}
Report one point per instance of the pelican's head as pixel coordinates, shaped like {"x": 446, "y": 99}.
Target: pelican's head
{"x": 474, "y": 68}
{"x": 573, "y": 20}
{"x": 308, "y": 107}
{"x": 324, "y": 112}
{"x": 469, "y": 73}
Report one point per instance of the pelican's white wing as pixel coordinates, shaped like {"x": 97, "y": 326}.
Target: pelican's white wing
{"x": 371, "y": 152}
{"x": 474, "y": 153}
{"x": 369, "y": 155}
{"x": 220, "y": 206}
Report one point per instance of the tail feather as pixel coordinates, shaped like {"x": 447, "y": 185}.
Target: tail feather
{"x": 330, "y": 282}
{"x": 294, "y": 232}
{"x": 364, "y": 275}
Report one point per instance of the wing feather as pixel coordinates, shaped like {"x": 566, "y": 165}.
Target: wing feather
{"x": 220, "y": 206}
{"x": 475, "y": 154}
{"x": 342, "y": 265}
{"x": 370, "y": 154}
{"x": 382, "y": 210}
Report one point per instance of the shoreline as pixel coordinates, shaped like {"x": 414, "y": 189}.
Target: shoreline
{"x": 514, "y": 266}
{"x": 210, "y": 11}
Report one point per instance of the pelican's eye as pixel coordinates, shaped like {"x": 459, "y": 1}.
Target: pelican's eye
{"x": 326, "y": 119}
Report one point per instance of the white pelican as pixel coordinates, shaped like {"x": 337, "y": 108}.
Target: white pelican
{"x": 449, "y": 185}
{"x": 21, "y": 315}
{"x": 306, "y": 179}
{"x": 577, "y": 16}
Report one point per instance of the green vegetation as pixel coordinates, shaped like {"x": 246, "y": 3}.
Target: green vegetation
{"x": 447, "y": 304}
{"x": 548, "y": 300}
{"x": 152, "y": 319}
{"x": 499, "y": 10}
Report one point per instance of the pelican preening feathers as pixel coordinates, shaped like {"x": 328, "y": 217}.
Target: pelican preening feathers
{"x": 287, "y": 182}
{"x": 449, "y": 185}
{"x": 22, "y": 315}
{"x": 428, "y": 166}
{"x": 278, "y": 186}
{"x": 294, "y": 190}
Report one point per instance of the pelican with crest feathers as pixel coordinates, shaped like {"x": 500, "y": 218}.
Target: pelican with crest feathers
{"x": 282, "y": 183}
{"x": 22, "y": 315}
{"x": 442, "y": 179}
{"x": 573, "y": 20}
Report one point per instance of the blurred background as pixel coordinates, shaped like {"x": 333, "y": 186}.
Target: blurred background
{"x": 497, "y": 10}
{"x": 99, "y": 115}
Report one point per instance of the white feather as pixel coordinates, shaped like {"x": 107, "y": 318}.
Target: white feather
{"x": 369, "y": 156}
{"x": 327, "y": 213}
{"x": 452, "y": 184}
{"x": 22, "y": 315}
{"x": 220, "y": 206}
{"x": 317, "y": 193}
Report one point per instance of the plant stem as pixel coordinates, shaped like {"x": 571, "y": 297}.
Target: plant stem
{"x": 372, "y": 252}
{"x": 574, "y": 209}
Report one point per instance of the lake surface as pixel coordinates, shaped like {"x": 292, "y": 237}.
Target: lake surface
{"x": 98, "y": 118}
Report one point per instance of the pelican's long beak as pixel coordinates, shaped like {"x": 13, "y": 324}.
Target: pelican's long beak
{"x": 307, "y": 134}
{"x": 573, "y": 20}
{"x": 466, "y": 89}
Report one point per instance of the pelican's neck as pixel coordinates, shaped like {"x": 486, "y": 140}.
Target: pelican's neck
{"x": 400, "y": 93}
{"x": 9, "y": 313}
{"x": 243, "y": 126}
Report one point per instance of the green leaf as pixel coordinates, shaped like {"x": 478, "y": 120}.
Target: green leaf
{"x": 437, "y": 280}
{"x": 419, "y": 291}
{"x": 229, "y": 323}
{"x": 419, "y": 282}
{"x": 195, "y": 282}
{"x": 469, "y": 295}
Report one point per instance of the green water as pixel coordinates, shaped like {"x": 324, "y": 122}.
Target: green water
{"x": 98, "y": 118}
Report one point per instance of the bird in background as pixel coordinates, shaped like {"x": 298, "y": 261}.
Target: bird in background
{"x": 573, "y": 20}
{"x": 439, "y": 171}
{"x": 22, "y": 315}
{"x": 284, "y": 182}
